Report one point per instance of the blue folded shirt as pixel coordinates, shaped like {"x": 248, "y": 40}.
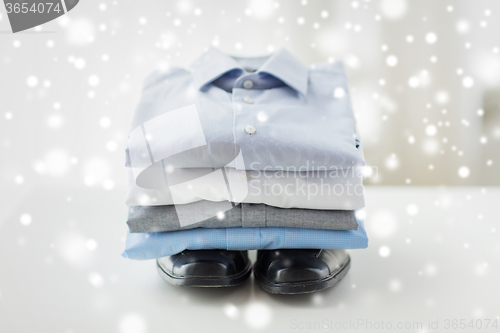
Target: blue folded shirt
{"x": 143, "y": 246}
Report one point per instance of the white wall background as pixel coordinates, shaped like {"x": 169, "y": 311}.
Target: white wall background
{"x": 69, "y": 87}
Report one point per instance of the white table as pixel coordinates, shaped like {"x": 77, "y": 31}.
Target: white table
{"x": 63, "y": 272}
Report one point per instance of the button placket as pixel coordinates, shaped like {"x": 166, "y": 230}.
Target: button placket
{"x": 243, "y": 98}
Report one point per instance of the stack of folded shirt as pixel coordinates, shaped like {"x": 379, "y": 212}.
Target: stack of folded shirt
{"x": 244, "y": 153}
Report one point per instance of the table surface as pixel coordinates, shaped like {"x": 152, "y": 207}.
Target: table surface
{"x": 433, "y": 258}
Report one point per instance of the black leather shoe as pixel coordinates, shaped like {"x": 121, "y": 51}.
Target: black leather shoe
{"x": 300, "y": 271}
{"x": 205, "y": 268}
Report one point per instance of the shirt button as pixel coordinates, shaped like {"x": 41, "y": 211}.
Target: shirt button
{"x": 247, "y": 84}
{"x": 247, "y": 100}
{"x": 244, "y": 175}
{"x": 250, "y": 129}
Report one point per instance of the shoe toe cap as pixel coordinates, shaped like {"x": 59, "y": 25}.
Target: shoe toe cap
{"x": 204, "y": 269}
{"x": 297, "y": 270}
{"x": 204, "y": 264}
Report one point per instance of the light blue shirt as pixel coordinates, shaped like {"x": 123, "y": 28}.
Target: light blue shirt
{"x": 143, "y": 246}
{"x": 280, "y": 114}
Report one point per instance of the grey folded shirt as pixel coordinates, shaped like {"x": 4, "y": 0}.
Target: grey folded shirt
{"x": 164, "y": 218}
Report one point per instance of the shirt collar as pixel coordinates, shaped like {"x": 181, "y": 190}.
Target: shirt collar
{"x": 281, "y": 64}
